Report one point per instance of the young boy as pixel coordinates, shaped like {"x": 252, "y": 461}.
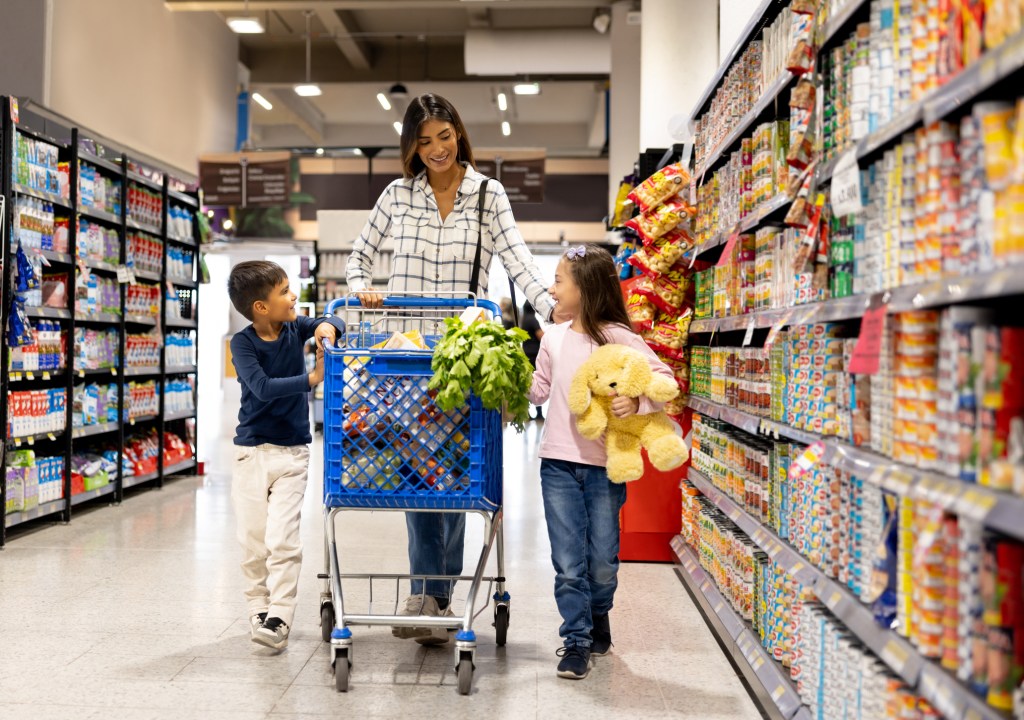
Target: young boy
{"x": 272, "y": 455}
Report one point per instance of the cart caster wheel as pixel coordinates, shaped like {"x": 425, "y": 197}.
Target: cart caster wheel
{"x": 326, "y": 622}
{"x": 341, "y": 670}
{"x": 465, "y": 673}
{"x": 501, "y": 618}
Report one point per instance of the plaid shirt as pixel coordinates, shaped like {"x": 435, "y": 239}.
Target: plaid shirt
{"x": 433, "y": 256}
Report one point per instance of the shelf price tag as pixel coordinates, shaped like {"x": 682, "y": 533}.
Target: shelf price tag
{"x": 51, "y": 436}
{"x": 895, "y": 655}
{"x": 869, "y": 342}
{"x": 30, "y": 376}
{"x": 750, "y": 331}
{"x": 846, "y": 190}
{"x": 46, "y": 376}
{"x": 975, "y": 504}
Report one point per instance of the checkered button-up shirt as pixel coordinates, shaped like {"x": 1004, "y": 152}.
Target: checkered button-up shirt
{"x": 432, "y": 256}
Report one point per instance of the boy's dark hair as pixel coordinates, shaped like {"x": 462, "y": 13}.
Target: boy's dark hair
{"x": 251, "y": 281}
{"x": 600, "y": 292}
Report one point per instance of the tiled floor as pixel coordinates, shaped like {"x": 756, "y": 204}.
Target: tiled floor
{"x": 136, "y": 612}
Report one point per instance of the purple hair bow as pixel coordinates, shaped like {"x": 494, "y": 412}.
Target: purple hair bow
{"x": 576, "y": 253}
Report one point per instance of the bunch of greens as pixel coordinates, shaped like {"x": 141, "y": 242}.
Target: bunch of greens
{"x": 486, "y": 359}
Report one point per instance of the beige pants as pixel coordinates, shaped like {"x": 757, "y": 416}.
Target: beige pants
{"x": 268, "y": 484}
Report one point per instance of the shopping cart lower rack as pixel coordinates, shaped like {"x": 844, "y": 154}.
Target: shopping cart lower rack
{"x": 387, "y": 446}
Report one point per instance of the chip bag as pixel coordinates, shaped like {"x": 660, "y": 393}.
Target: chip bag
{"x": 662, "y": 219}
{"x": 641, "y": 312}
{"x": 667, "y": 291}
{"x": 660, "y": 186}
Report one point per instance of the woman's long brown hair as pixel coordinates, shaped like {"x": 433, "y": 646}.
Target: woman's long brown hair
{"x": 601, "y": 299}
{"x": 430, "y": 107}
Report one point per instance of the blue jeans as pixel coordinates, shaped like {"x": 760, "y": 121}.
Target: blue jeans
{"x": 582, "y": 510}
{"x": 436, "y": 545}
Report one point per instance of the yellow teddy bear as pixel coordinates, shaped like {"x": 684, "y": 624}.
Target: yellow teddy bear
{"x": 614, "y": 370}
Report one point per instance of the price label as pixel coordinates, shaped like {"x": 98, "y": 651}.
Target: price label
{"x": 975, "y": 504}
{"x": 778, "y": 692}
{"x": 113, "y": 371}
{"x": 750, "y": 332}
{"x": 81, "y": 373}
{"x": 758, "y": 664}
{"x": 869, "y": 342}
{"x": 895, "y": 655}
{"x": 777, "y": 328}
{"x": 31, "y": 440}
{"x": 846, "y": 190}
{"x": 727, "y": 251}
{"x": 989, "y": 70}
{"x": 17, "y": 442}
{"x": 693, "y": 257}
{"x": 972, "y": 714}
{"x": 122, "y": 274}
{"x": 15, "y": 377}
{"x": 51, "y": 436}
{"x": 132, "y": 421}
{"x": 718, "y": 607}
{"x": 46, "y": 376}
{"x": 30, "y": 376}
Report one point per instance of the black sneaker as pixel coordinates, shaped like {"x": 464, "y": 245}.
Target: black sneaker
{"x": 575, "y": 663}
{"x": 256, "y": 622}
{"x": 273, "y": 634}
{"x": 601, "y": 636}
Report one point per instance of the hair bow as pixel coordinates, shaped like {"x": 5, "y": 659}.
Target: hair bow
{"x": 576, "y": 253}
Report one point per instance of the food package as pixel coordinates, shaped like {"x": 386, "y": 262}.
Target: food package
{"x": 660, "y": 186}
{"x": 662, "y": 219}
{"x": 641, "y": 311}
{"x": 668, "y": 291}
{"x": 657, "y": 258}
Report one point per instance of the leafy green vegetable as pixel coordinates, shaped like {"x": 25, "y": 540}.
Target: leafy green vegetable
{"x": 487, "y": 360}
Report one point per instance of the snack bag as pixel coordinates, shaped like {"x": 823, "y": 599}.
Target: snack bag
{"x": 662, "y": 219}
{"x": 623, "y": 205}
{"x": 660, "y": 186}
{"x": 641, "y": 312}
{"x": 658, "y": 258}
{"x": 667, "y": 291}
{"x": 669, "y": 336}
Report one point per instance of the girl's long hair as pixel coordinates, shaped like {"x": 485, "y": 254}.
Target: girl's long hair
{"x": 430, "y": 107}
{"x": 601, "y": 299}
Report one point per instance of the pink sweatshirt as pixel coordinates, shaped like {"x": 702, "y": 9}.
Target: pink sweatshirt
{"x": 562, "y": 351}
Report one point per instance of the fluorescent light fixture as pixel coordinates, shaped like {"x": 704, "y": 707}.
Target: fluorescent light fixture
{"x": 246, "y": 25}
{"x": 319, "y": 151}
{"x": 398, "y": 127}
{"x": 502, "y": 101}
{"x": 228, "y": 224}
{"x": 262, "y": 101}
{"x": 527, "y": 89}
{"x": 506, "y": 129}
{"x": 308, "y": 90}
{"x": 383, "y": 100}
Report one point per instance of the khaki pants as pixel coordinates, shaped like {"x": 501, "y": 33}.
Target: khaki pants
{"x": 268, "y": 484}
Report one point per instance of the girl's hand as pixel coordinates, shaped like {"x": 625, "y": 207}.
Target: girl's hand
{"x": 624, "y": 407}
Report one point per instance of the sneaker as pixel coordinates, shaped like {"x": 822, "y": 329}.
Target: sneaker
{"x": 575, "y": 663}
{"x": 438, "y": 635}
{"x": 416, "y": 605}
{"x": 256, "y": 622}
{"x": 273, "y": 634}
{"x": 601, "y": 636}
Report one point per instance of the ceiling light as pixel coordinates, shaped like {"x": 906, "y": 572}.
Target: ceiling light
{"x": 319, "y": 151}
{"x": 262, "y": 101}
{"x": 506, "y": 129}
{"x": 502, "y": 101}
{"x": 357, "y": 152}
{"x": 308, "y": 90}
{"x": 527, "y": 89}
{"x": 602, "y": 21}
{"x": 246, "y": 25}
{"x": 398, "y": 127}
{"x": 210, "y": 213}
{"x": 227, "y": 225}
{"x": 383, "y": 100}
{"x": 398, "y": 92}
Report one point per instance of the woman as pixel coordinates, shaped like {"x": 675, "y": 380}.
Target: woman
{"x": 433, "y": 215}
{"x": 531, "y": 346}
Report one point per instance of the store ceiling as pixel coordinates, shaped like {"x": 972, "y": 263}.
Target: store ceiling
{"x": 362, "y": 47}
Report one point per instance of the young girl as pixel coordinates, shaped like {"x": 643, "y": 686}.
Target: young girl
{"x": 580, "y": 504}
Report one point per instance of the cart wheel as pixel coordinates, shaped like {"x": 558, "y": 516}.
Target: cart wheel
{"x": 465, "y": 673}
{"x": 326, "y": 622}
{"x": 501, "y": 618}
{"x": 341, "y": 669}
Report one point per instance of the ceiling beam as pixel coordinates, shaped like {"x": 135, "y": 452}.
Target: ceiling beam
{"x": 305, "y": 116}
{"x": 343, "y": 26}
{"x": 257, "y": 5}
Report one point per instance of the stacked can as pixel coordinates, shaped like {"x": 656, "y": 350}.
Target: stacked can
{"x": 868, "y": 248}
{"x": 1002, "y": 588}
{"x": 915, "y": 428}
{"x": 903, "y": 55}
{"x": 904, "y": 249}
{"x": 974, "y": 186}
{"x": 951, "y": 608}
{"x": 928, "y": 592}
{"x": 999, "y": 429}
{"x": 958, "y": 394}
{"x": 882, "y": 396}
{"x": 881, "y": 63}
{"x": 970, "y": 608}
{"x": 781, "y": 512}
{"x": 816, "y": 362}
{"x": 764, "y": 266}
{"x": 754, "y": 394}
{"x": 690, "y": 512}
{"x": 841, "y": 250}
{"x": 704, "y": 290}
{"x": 779, "y": 362}
{"x": 905, "y": 567}
{"x": 867, "y": 526}
{"x": 700, "y": 371}
{"x": 945, "y": 140}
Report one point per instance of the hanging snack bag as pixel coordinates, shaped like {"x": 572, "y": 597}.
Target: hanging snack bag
{"x": 660, "y": 186}
{"x": 658, "y": 258}
{"x": 662, "y": 219}
{"x": 641, "y": 312}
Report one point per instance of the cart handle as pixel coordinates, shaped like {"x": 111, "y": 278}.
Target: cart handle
{"x": 416, "y": 302}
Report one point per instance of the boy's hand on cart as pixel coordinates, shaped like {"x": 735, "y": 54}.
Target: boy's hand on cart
{"x": 624, "y": 407}
{"x": 317, "y": 376}
{"x": 371, "y": 299}
{"x": 325, "y": 333}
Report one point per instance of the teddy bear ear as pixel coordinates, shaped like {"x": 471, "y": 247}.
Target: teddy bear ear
{"x": 579, "y": 390}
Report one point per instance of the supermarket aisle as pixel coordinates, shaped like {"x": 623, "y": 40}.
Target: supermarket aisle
{"x": 135, "y": 612}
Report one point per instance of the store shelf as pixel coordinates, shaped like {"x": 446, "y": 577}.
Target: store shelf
{"x": 144, "y": 227}
{"x": 41, "y": 511}
{"x": 17, "y": 376}
{"x": 134, "y": 480}
{"x": 994, "y": 66}
{"x": 838, "y": 21}
{"x": 146, "y": 275}
{"x": 895, "y": 651}
{"x": 100, "y": 162}
{"x": 137, "y": 371}
{"x": 97, "y": 214}
{"x": 107, "y": 318}
{"x": 184, "y": 281}
{"x": 98, "y": 429}
{"x": 34, "y": 438}
{"x": 99, "y": 265}
{"x": 141, "y": 319}
{"x": 47, "y": 312}
{"x": 748, "y": 224}
{"x": 181, "y": 323}
{"x": 53, "y": 257}
{"x": 768, "y": 679}
{"x": 142, "y": 419}
{"x": 93, "y": 494}
{"x": 745, "y": 123}
{"x": 183, "y": 197}
{"x": 81, "y": 372}
{"x": 180, "y": 415}
{"x": 179, "y": 467}
{"x": 1005, "y": 282}
{"x": 36, "y": 135}
{"x": 180, "y": 369}
{"x": 142, "y": 180}
{"x": 182, "y": 240}
{"x": 41, "y": 195}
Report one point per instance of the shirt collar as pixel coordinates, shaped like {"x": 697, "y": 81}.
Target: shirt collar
{"x": 470, "y": 183}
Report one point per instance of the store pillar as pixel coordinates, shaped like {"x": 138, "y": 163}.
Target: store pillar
{"x": 624, "y": 136}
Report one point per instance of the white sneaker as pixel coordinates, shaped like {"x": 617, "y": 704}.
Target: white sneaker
{"x": 438, "y": 635}
{"x": 273, "y": 634}
{"x": 416, "y": 605}
{"x": 256, "y": 622}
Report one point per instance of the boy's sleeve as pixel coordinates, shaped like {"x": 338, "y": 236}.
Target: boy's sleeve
{"x": 540, "y": 390}
{"x": 247, "y": 366}
{"x": 307, "y": 325}
{"x": 648, "y": 406}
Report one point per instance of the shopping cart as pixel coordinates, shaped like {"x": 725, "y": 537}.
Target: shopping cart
{"x": 387, "y": 446}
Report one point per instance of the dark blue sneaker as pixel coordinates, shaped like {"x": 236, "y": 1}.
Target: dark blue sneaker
{"x": 575, "y": 663}
{"x": 601, "y": 636}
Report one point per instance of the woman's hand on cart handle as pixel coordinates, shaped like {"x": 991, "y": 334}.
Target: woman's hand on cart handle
{"x": 371, "y": 299}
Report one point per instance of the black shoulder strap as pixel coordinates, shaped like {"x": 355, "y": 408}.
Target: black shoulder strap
{"x": 474, "y": 282}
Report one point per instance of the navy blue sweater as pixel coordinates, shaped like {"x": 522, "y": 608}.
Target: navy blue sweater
{"x": 275, "y": 384}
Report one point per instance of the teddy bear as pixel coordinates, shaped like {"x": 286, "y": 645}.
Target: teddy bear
{"x": 613, "y": 370}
